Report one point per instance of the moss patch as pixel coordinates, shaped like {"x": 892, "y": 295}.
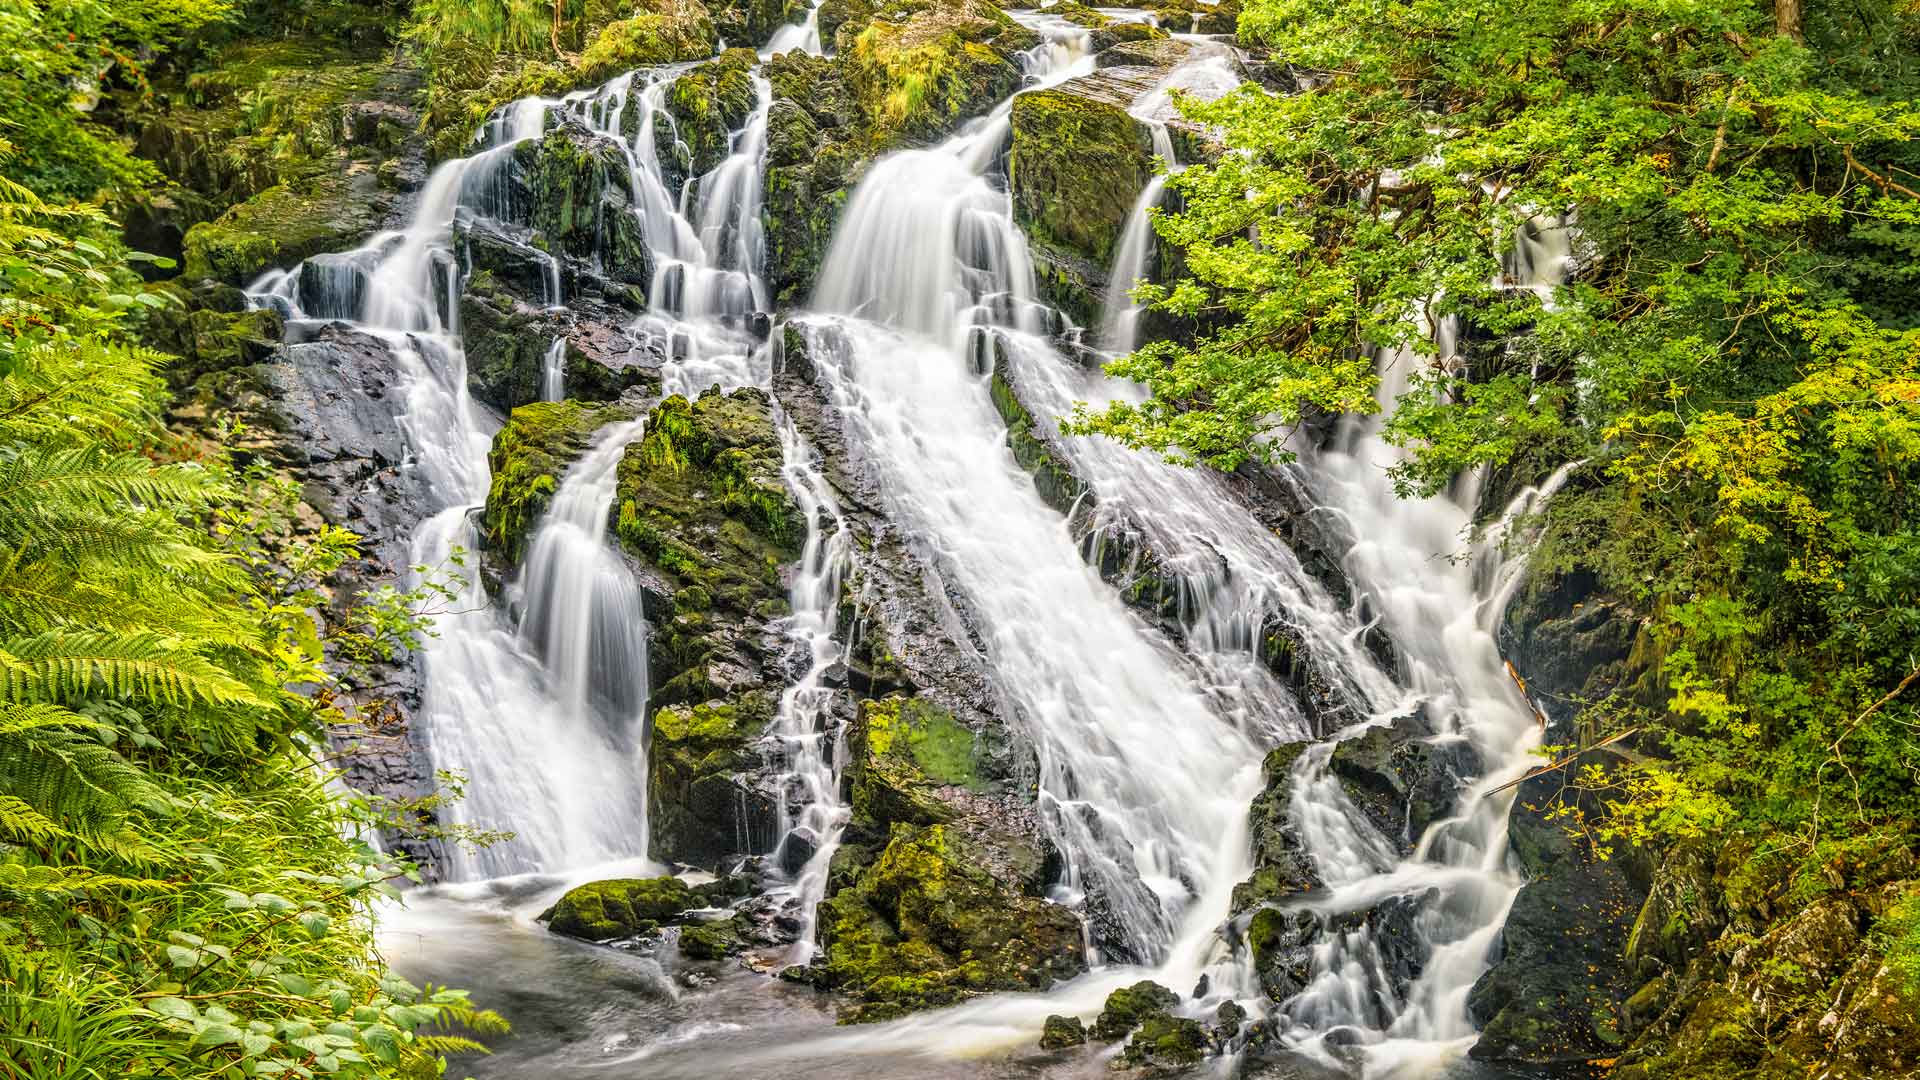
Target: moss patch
{"x": 1076, "y": 166}
{"x": 923, "y": 927}
{"x": 622, "y": 907}
{"x": 529, "y": 455}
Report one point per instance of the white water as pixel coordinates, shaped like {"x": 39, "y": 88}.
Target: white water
{"x": 553, "y": 371}
{"x": 813, "y": 747}
{"x": 804, "y": 36}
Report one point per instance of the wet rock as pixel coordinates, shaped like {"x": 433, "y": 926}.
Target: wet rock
{"x": 1404, "y": 775}
{"x": 283, "y": 225}
{"x": 1062, "y": 1032}
{"x": 530, "y": 455}
{"x": 709, "y": 103}
{"x": 582, "y": 199}
{"x": 713, "y": 940}
{"x": 708, "y": 797}
{"x": 1281, "y": 864}
{"x": 924, "y": 926}
{"x": 1129, "y": 1006}
{"x": 619, "y": 908}
{"x": 1556, "y": 989}
{"x": 904, "y": 750}
{"x": 507, "y": 341}
{"x": 1076, "y": 165}
{"x": 1165, "y": 1045}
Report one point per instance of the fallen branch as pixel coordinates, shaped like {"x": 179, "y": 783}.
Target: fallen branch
{"x": 1563, "y": 762}
{"x": 1538, "y": 716}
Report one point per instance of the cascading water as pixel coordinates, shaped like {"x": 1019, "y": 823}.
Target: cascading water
{"x": 812, "y": 745}
{"x": 1442, "y": 613}
{"x": 804, "y": 36}
{"x": 553, "y": 371}
{"x": 1142, "y": 785}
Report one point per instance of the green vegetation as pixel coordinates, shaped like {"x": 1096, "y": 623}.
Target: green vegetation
{"x": 1736, "y": 360}
{"x": 182, "y": 893}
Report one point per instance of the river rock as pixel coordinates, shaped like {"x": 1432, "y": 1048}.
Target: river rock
{"x": 619, "y": 908}
{"x": 1404, "y": 775}
{"x": 1128, "y": 1007}
{"x": 1062, "y": 1032}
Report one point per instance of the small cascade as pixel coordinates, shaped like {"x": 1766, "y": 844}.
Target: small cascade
{"x": 804, "y": 36}
{"x": 1208, "y": 74}
{"x": 813, "y": 745}
{"x": 553, "y": 371}
{"x": 1443, "y": 613}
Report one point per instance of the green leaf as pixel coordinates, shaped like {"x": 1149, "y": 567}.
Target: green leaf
{"x": 217, "y": 1034}
{"x": 383, "y": 1041}
{"x": 173, "y": 1008}
{"x": 182, "y": 957}
{"x": 314, "y": 922}
{"x": 297, "y": 985}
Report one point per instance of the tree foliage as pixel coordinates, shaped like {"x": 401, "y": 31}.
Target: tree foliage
{"x": 1735, "y": 355}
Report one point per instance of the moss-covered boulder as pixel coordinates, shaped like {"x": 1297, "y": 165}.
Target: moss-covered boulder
{"x": 619, "y": 908}
{"x": 1165, "y": 1044}
{"x": 1128, "y": 1007}
{"x": 1077, "y": 164}
{"x": 1197, "y": 16}
{"x": 581, "y": 204}
{"x": 710, "y": 102}
{"x": 924, "y": 926}
{"x": 530, "y": 454}
{"x": 1062, "y": 1032}
{"x": 704, "y": 800}
{"x": 917, "y": 68}
{"x": 814, "y": 145}
{"x": 714, "y": 940}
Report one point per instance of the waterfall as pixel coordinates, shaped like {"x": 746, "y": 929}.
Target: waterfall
{"x": 1443, "y": 613}
{"x": 813, "y": 747}
{"x": 804, "y": 36}
{"x": 553, "y": 371}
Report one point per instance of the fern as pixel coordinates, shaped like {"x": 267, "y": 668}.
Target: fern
{"x": 66, "y": 665}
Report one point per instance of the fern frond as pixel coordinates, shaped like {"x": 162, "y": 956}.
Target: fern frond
{"x": 65, "y": 665}
{"x": 20, "y": 821}
{"x": 35, "y": 478}
{"x": 17, "y": 877}
{"x": 449, "y": 1044}
{"x": 68, "y": 777}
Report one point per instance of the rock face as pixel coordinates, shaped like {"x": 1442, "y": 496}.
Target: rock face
{"x": 1555, "y": 993}
{"x": 1404, "y": 776}
{"x": 700, "y": 503}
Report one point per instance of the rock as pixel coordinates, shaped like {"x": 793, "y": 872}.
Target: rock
{"x": 530, "y": 454}
{"x": 1556, "y": 989}
{"x": 1166, "y": 1045}
{"x": 1281, "y": 864}
{"x": 1076, "y": 165}
{"x": 283, "y": 225}
{"x": 581, "y": 199}
{"x": 1127, "y": 1007}
{"x": 924, "y": 926}
{"x": 706, "y": 799}
{"x": 903, "y": 750}
{"x": 507, "y": 341}
{"x": 1403, "y": 775}
{"x": 619, "y": 908}
{"x": 1281, "y": 941}
{"x": 713, "y": 941}
{"x": 659, "y": 32}
{"x": 709, "y": 103}
{"x": 1062, "y": 1032}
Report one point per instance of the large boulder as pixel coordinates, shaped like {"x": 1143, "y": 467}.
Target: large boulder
{"x": 508, "y": 341}
{"x": 1404, "y": 775}
{"x": 619, "y": 908}
{"x": 709, "y": 103}
{"x": 1281, "y": 864}
{"x": 924, "y": 925}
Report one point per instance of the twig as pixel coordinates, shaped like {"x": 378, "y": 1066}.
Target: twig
{"x": 1563, "y": 762}
{"x": 1512, "y": 673}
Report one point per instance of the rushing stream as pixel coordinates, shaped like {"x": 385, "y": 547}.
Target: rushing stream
{"x": 1149, "y": 739}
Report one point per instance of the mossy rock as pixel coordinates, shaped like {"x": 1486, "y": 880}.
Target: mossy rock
{"x": 530, "y": 455}
{"x": 664, "y": 32}
{"x": 1166, "y": 1044}
{"x": 1052, "y": 476}
{"x": 1076, "y": 165}
{"x": 925, "y": 926}
{"x": 710, "y": 102}
{"x": 1062, "y": 1032}
{"x": 714, "y": 940}
{"x": 1194, "y": 17}
{"x": 279, "y": 227}
{"x": 904, "y": 751}
{"x": 702, "y": 498}
{"x": 619, "y": 908}
{"x": 701, "y": 807}
{"x": 1128, "y": 1007}
{"x": 1281, "y": 865}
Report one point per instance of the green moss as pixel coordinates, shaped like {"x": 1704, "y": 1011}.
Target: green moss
{"x": 1129, "y": 1006}
{"x": 277, "y": 228}
{"x": 712, "y": 941}
{"x": 673, "y": 32}
{"x": 622, "y": 907}
{"x": 904, "y": 750}
{"x": 1166, "y": 1043}
{"x": 925, "y": 926}
{"x": 1057, "y": 485}
{"x": 530, "y": 453}
{"x": 1076, "y": 164}
{"x": 710, "y": 102}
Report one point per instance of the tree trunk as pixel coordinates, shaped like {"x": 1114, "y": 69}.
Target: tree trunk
{"x": 1787, "y": 17}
